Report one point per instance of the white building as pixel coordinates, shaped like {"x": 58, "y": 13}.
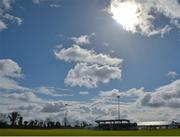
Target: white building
{"x": 158, "y": 125}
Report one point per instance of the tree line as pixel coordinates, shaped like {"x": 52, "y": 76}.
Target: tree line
{"x": 15, "y": 120}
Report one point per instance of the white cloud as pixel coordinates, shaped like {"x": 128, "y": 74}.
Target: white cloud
{"x": 106, "y": 44}
{"x": 51, "y": 91}
{"x": 90, "y": 75}
{"x": 29, "y": 104}
{"x": 128, "y": 97}
{"x": 9, "y": 71}
{"x": 53, "y": 107}
{"x": 172, "y": 74}
{"x": 9, "y": 68}
{"x": 78, "y": 54}
{"x": 6, "y": 4}
{"x": 55, "y": 5}
{"x": 176, "y": 23}
{"x": 163, "y": 99}
{"x": 162, "y": 31}
{"x": 168, "y": 8}
{"x": 6, "y": 83}
{"x": 165, "y": 96}
{"x": 13, "y": 18}
{"x": 83, "y": 39}
{"x": 142, "y": 105}
{"x": 134, "y": 92}
{"x": 24, "y": 96}
{"x": 83, "y": 93}
{"x": 2, "y": 25}
{"x": 14, "y": 97}
{"x": 36, "y": 1}
{"x": 91, "y": 68}
{"x": 145, "y": 14}
{"x": 5, "y": 8}
{"x": 112, "y": 93}
{"x": 51, "y": 3}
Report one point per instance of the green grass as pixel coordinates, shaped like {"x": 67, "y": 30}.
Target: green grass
{"x": 84, "y": 132}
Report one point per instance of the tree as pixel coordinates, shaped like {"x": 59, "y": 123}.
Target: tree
{"x": 20, "y": 122}
{"x": 31, "y": 124}
{"x": 25, "y": 123}
{"x": 14, "y": 116}
{"x": 77, "y": 123}
{"x": 58, "y": 124}
{"x": 40, "y": 124}
{"x": 3, "y": 120}
{"x": 84, "y": 124}
{"x": 35, "y": 123}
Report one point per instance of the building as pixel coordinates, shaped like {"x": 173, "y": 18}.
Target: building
{"x": 158, "y": 125}
{"x": 177, "y": 124}
{"x": 118, "y": 124}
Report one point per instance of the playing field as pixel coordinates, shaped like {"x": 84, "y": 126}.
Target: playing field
{"x": 83, "y": 132}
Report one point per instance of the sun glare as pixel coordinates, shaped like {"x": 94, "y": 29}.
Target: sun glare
{"x": 125, "y": 14}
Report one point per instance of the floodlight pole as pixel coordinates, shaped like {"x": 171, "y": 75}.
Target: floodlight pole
{"x": 65, "y": 118}
{"x": 118, "y": 97}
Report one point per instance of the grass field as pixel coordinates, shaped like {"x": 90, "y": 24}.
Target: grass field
{"x": 83, "y": 132}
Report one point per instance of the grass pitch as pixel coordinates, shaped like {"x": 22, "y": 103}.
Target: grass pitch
{"x": 84, "y": 132}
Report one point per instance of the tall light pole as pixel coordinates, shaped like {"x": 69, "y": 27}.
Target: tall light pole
{"x": 65, "y": 118}
{"x": 118, "y": 97}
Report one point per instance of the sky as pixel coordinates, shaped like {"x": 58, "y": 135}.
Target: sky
{"x": 85, "y": 53}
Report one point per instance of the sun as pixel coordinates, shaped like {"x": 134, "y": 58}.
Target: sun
{"x": 126, "y": 14}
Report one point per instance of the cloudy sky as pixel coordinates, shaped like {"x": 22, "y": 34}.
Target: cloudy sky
{"x": 86, "y": 52}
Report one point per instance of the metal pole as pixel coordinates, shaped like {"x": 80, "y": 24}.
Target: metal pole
{"x": 65, "y": 119}
{"x": 118, "y": 97}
